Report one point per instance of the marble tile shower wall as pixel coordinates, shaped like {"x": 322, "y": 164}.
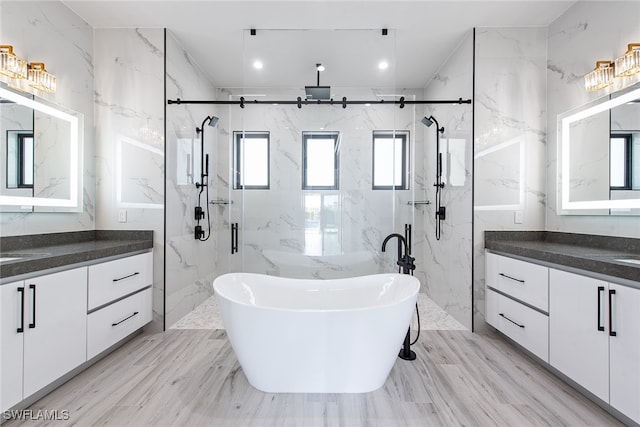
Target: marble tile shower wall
{"x": 510, "y": 136}
{"x": 190, "y": 266}
{"x": 129, "y": 117}
{"x": 68, "y": 54}
{"x": 272, "y": 222}
{"x": 585, "y": 33}
{"x": 448, "y": 260}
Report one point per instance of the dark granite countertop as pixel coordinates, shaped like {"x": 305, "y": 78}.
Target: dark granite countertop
{"x": 592, "y": 253}
{"x": 38, "y": 252}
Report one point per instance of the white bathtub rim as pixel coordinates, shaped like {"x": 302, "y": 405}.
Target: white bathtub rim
{"x": 412, "y": 295}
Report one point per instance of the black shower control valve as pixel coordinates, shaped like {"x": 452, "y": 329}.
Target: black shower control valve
{"x": 441, "y": 214}
{"x": 199, "y": 232}
{"x": 199, "y": 214}
{"x": 441, "y": 185}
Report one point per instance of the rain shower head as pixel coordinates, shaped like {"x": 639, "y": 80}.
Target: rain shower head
{"x": 427, "y": 121}
{"x": 318, "y": 92}
{"x": 214, "y": 121}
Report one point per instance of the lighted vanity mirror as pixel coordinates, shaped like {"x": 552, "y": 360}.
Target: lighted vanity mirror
{"x": 40, "y": 155}
{"x": 599, "y": 156}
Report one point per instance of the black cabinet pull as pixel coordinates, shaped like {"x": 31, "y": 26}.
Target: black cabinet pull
{"x": 33, "y": 306}
{"x": 126, "y": 277}
{"x": 612, "y": 333}
{"x": 512, "y": 278}
{"x": 126, "y": 318}
{"x": 20, "y": 330}
{"x": 600, "y": 325}
{"x": 515, "y": 323}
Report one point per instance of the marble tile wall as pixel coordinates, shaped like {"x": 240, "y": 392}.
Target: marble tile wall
{"x": 190, "y": 264}
{"x": 510, "y": 136}
{"x": 129, "y": 129}
{"x": 68, "y": 53}
{"x": 587, "y": 32}
{"x": 448, "y": 260}
{"x": 272, "y": 231}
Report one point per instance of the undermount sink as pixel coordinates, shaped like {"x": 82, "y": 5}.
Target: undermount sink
{"x": 629, "y": 260}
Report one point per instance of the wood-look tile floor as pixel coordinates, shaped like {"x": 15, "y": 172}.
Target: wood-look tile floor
{"x": 192, "y": 378}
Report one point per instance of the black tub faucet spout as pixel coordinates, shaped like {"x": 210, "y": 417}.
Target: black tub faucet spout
{"x": 405, "y": 261}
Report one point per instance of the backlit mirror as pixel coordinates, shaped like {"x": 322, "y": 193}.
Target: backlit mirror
{"x": 599, "y": 157}
{"x": 40, "y": 155}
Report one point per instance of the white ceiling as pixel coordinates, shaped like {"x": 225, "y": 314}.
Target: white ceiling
{"x": 422, "y": 34}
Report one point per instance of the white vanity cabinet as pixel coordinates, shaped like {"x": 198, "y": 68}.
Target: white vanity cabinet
{"x": 595, "y": 337}
{"x": 43, "y": 332}
{"x": 120, "y": 300}
{"x": 517, "y": 302}
{"x": 54, "y": 323}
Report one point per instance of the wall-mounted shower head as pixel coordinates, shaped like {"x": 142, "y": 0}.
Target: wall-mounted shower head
{"x": 214, "y": 121}
{"x": 428, "y": 121}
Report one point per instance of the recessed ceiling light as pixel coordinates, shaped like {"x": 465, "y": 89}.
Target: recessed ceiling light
{"x": 367, "y": 105}
{"x": 257, "y": 65}
{"x": 383, "y": 65}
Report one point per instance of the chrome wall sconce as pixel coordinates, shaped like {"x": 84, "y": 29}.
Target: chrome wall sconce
{"x": 22, "y": 74}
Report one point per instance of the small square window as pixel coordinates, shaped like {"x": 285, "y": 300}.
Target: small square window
{"x": 251, "y": 160}
{"x": 320, "y": 160}
{"x": 390, "y": 160}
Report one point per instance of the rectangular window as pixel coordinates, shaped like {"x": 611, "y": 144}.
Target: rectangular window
{"x": 390, "y": 160}
{"x": 320, "y": 160}
{"x": 251, "y": 160}
{"x": 620, "y": 162}
{"x": 19, "y": 159}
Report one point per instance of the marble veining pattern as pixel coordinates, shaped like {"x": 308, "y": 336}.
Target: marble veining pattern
{"x": 510, "y": 137}
{"x": 190, "y": 264}
{"x": 129, "y": 110}
{"x": 447, "y": 269}
{"x": 432, "y": 317}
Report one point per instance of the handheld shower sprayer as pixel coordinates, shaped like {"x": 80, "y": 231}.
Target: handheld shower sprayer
{"x": 199, "y": 233}
{"x": 440, "y": 210}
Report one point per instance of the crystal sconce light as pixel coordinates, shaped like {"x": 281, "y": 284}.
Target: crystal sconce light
{"x": 40, "y": 79}
{"x": 629, "y": 63}
{"x": 21, "y": 74}
{"x": 601, "y": 76}
{"x": 10, "y": 65}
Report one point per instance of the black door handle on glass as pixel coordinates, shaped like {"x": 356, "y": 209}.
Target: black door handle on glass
{"x": 21, "y": 328}
{"x": 33, "y": 307}
{"x": 600, "y": 325}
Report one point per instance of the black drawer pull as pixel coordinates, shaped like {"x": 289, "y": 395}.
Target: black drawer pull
{"x": 512, "y": 278}
{"x": 126, "y": 318}
{"x": 600, "y": 325}
{"x": 612, "y": 333}
{"x": 517, "y": 324}
{"x": 126, "y": 277}
{"x": 32, "y": 325}
{"x": 21, "y": 328}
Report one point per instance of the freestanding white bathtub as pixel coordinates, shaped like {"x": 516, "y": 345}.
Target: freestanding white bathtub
{"x": 316, "y": 336}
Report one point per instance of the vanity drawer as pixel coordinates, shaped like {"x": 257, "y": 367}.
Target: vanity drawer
{"x": 527, "y": 327}
{"x": 110, "y": 324}
{"x": 522, "y": 280}
{"x": 114, "y": 279}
